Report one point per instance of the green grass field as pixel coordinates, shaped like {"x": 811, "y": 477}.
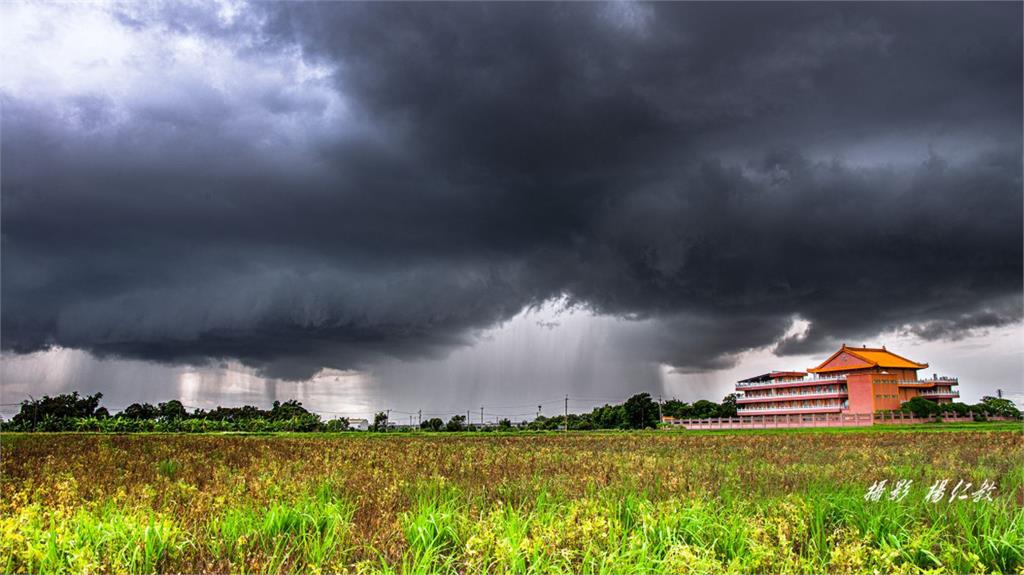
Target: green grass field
{"x": 768, "y": 501}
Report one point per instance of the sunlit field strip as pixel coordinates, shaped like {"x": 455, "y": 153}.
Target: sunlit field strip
{"x": 659, "y": 502}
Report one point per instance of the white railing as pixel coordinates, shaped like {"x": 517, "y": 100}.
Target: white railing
{"x": 925, "y": 382}
{"x": 792, "y": 409}
{"x": 951, "y": 393}
{"x": 808, "y": 379}
{"x": 777, "y": 420}
{"x": 770, "y": 396}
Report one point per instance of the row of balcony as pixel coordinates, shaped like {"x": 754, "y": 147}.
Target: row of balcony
{"x": 932, "y": 382}
{"x": 776, "y": 409}
{"x": 808, "y": 379}
{"x": 835, "y": 392}
{"x": 944, "y": 393}
{"x": 784, "y": 382}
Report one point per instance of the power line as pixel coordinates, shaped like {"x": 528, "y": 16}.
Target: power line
{"x": 558, "y": 399}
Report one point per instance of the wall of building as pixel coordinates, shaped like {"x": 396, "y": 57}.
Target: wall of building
{"x": 886, "y": 392}
{"x": 908, "y": 392}
{"x": 902, "y": 374}
{"x": 861, "y": 393}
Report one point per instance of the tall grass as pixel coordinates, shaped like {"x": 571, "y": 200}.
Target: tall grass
{"x": 309, "y": 534}
{"x": 825, "y": 531}
{"x": 102, "y": 539}
{"x": 628, "y": 503}
{"x": 168, "y": 468}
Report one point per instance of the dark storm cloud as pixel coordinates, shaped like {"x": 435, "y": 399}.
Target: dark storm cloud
{"x": 710, "y": 171}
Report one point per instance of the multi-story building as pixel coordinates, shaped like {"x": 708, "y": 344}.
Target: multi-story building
{"x": 852, "y": 380}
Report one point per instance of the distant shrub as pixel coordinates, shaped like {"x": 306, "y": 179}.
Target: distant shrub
{"x": 336, "y": 425}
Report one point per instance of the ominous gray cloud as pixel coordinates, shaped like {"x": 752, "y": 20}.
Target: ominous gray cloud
{"x": 300, "y": 186}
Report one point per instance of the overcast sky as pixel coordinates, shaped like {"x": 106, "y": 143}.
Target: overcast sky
{"x": 438, "y": 206}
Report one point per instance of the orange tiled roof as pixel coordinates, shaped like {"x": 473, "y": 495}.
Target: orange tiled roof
{"x": 876, "y": 357}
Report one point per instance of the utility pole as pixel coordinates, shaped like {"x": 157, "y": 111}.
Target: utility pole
{"x": 999, "y": 393}
{"x": 387, "y": 419}
{"x": 659, "y": 409}
{"x": 419, "y": 417}
{"x": 538, "y": 412}
{"x": 481, "y": 415}
{"x": 567, "y": 413}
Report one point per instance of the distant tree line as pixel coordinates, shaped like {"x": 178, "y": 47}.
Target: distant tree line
{"x": 638, "y": 412}
{"x": 988, "y": 407}
{"x": 72, "y": 412}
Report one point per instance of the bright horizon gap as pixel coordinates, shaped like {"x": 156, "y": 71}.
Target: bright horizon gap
{"x": 358, "y": 394}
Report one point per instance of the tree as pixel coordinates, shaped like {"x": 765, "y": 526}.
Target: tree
{"x": 456, "y": 423}
{"x": 432, "y": 424}
{"x": 57, "y": 409}
{"x": 728, "y": 406}
{"x": 1000, "y": 407}
{"x": 380, "y": 422}
{"x": 921, "y": 407}
{"x": 582, "y": 424}
{"x": 541, "y": 422}
{"x": 287, "y": 410}
{"x": 609, "y": 417}
{"x": 961, "y": 409}
{"x": 140, "y": 411}
{"x": 641, "y": 411}
{"x": 703, "y": 409}
{"x": 172, "y": 410}
{"x": 505, "y": 425}
{"x": 677, "y": 409}
{"x": 339, "y": 424}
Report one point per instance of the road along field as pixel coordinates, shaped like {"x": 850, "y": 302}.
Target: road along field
{"x": 656, "y": 502}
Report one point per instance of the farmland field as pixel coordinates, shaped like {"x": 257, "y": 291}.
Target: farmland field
{"x": 662, "y": 502}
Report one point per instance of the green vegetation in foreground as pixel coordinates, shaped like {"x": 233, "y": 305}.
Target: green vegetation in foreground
{"x": 623, "y": 532}
{"x": 545, "y": 503}
{"x": 614, "y": 532}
